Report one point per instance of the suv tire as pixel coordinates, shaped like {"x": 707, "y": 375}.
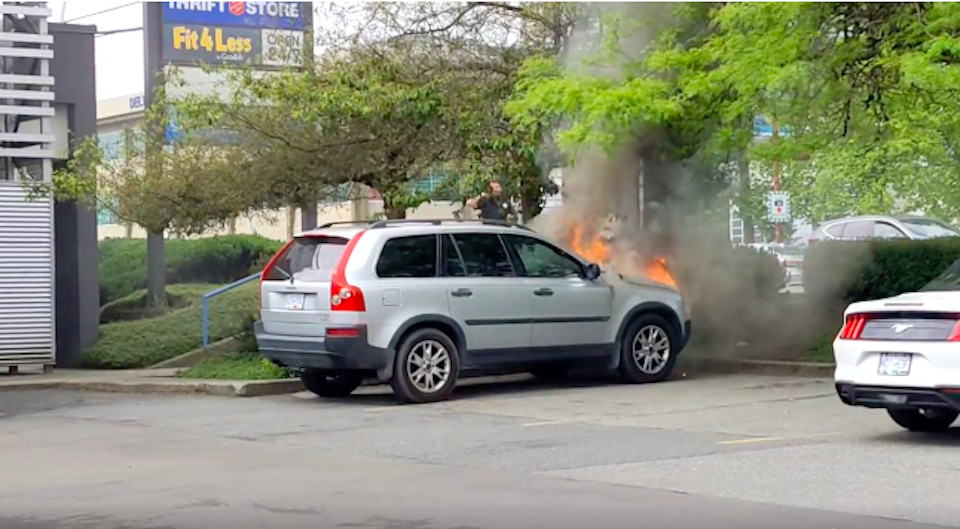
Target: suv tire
{"x": 426, "y": 368}
{"x": 648, "y": 350}
{"x": 331, "y": 384}
{"x": 916, "y": 421}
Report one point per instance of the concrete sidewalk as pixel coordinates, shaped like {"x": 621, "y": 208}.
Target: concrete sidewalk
{"x": 143, "y": 381}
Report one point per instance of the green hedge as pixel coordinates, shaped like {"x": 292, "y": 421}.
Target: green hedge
{"x": 142, "y": 343}
{"x": 846, "y": 271}
{"x": 123, "y": 262}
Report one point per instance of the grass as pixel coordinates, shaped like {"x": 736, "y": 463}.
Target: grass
{"x": 144, "y": 342}
{"x": 821, "y": 350}
{"x": 134, "y": 306}
{"x": 236, "y": 366}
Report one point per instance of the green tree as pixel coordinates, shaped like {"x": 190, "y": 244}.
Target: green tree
{"x": 185, "y": 187}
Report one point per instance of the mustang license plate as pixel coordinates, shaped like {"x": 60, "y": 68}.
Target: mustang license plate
{"x": 895, "y": 364}
{"x": 294, "y": 301}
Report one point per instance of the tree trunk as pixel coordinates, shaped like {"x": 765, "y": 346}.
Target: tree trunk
{"x": 291, "y": 221}
{"x": 308, "y": 217}
{"x": 393, "y": 211}
{"x": 156, "y": 271}
{"x": 232, "y": 227}
{"x": 128, "y": 230}
{"x": 743, "y": 169}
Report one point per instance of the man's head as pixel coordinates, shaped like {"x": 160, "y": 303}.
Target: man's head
{"x": 495, "y": 188}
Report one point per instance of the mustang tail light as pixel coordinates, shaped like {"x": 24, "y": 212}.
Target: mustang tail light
{"x": 955, "y": 333}
{"x": 852, "y": 327}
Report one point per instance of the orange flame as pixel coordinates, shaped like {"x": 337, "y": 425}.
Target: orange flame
{"x": 595, "y": 250}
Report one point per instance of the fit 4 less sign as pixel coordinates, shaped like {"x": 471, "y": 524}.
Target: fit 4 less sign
{"x": 268, "y": 34}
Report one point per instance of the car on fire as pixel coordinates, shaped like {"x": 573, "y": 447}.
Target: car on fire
{"x": 422, "y": 303}
{"x": 902, "y": 354}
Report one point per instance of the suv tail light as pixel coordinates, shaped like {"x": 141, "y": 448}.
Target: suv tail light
{"x": 853, "y": 327}
{"x": 266, "y": 271}
{"x": 345, "y": 297}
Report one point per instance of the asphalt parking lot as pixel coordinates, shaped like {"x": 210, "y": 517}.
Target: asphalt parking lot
{"x": 720, "y": 451}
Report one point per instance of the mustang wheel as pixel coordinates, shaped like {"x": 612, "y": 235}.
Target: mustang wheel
{"x": 923, "y": 420}
{"x": 426, "y": 368}
{"x": 647, "y": 350}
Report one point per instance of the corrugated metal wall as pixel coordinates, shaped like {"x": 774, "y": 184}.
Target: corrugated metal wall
{"x": 26, "y": 278}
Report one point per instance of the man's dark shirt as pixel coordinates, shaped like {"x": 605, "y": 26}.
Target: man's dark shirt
{"x": 494, "y": 208}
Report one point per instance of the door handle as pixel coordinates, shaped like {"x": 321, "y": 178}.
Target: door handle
{"x": 543, "y": 292}
{"x": 462, "y": 293}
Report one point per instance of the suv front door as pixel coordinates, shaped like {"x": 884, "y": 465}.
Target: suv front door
{"x": 486, "y": 297}
{"x": 569, "y": 310}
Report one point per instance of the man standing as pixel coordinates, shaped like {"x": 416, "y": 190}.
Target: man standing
{"x": 492, "y": 204}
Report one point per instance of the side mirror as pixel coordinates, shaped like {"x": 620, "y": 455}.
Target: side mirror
{"x": 593, "y": 271}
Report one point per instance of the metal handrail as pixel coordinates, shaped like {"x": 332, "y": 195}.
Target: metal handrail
{"x": 205, "y": 302}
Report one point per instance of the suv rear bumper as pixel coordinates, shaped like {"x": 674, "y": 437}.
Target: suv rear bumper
{"x": 901, "y": 398}
{"x": 316, "y": 352}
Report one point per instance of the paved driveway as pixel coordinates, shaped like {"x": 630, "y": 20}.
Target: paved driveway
{"x": 735, "y": 451}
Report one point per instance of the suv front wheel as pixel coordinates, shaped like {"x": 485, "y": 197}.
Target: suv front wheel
{"x": 426, "y": 368}
{"x": 331, "y": 384}
{"x": 648, "y": 350}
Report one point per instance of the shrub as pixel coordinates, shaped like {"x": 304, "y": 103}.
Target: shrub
{"x": 123, "y": 262}
{"x": 236, "y": 366}
{"x": 142, "y": 343}
{"x": 849, "y": 271}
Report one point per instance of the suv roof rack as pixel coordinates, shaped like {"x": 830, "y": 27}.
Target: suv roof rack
{"x": 437, "y": 222}
{"x": 342, "y": 223}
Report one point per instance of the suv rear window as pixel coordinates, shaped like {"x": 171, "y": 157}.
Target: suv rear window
{"x": 308, "y": 259}
{"x": 414, "y": 256}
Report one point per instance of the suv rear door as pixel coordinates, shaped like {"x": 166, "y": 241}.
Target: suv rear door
{"x": 486, "y": 296}
{"x": 295, "y": 291}
{"x": 568, "y": 309}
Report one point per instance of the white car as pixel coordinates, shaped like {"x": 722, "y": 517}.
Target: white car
{"x": 902, "y": 354}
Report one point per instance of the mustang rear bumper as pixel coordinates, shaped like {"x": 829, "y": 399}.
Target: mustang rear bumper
{"x": 896, "y": 397}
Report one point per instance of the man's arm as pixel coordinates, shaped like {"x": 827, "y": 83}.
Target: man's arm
{"x": 475, "y": 201}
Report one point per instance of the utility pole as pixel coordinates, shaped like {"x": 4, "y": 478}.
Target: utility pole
{"x": 775, "y": 137}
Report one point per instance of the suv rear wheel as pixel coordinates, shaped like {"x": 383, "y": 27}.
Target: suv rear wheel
{"x": 648, "y": 350}
{"x": 427, "y": 367}
{"x": 923, "y": 420}
{"x": 331, "y": 384}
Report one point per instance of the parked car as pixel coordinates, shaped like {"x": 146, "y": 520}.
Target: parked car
{"x": 883, "y": 227}
{"x": 420, "y": 304}
{"x": 902, "y": 354}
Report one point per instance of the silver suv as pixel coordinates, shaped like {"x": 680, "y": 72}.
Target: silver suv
{"x": 421, "y": 303}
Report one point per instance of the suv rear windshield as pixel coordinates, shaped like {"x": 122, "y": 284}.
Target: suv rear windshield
{"x": 308, "y": 259}
{"x": 929, "y": 228}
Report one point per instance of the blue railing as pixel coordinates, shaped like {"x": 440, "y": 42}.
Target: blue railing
{"x": 205, "y": 303}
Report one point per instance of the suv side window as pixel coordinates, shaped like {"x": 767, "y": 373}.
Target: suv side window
{"x": 858, "y": 229}
{"x": 414, "y": 256}
{"x": 885, "y": 230}
{"x": 542, "y": 260}
{"x": 452, "y": 264}
{"x": 484, "y": 255}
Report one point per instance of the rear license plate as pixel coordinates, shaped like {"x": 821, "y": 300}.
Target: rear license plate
{"x": 895, "y": 364}
{"x": 294, "y": 301}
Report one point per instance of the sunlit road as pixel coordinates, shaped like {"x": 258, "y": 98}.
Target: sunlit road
{"x": 730, "y": 452}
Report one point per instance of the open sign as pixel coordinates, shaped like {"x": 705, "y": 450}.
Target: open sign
{"x": 281, "y": 47}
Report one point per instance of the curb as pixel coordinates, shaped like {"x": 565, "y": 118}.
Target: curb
{"x": 760, "y": 367}
{"x": 253, "y": 388}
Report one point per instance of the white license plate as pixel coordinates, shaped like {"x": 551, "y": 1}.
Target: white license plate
{"x": 294, "y": 301}
{"x": 895, "y": 364}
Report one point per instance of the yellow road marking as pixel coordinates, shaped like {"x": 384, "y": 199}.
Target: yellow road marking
{"x": 543, "y": 423}
{"x": 751, "y": 440}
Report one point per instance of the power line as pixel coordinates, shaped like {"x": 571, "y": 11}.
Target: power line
{"x": 117, "y": 31}
{"x": 102, "y": 12}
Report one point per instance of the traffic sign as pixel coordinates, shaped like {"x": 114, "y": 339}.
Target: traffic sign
{"x": 778, "y": 206}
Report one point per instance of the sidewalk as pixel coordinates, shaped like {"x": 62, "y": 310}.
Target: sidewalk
{"x": 143, "y": 381}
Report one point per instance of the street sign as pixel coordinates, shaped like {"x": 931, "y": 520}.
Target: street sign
{"x": 778, "y": 206}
